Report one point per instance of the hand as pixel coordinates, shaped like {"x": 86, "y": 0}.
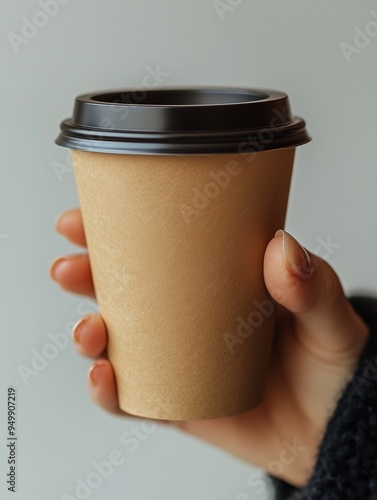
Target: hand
{"x": 318, "y": 340}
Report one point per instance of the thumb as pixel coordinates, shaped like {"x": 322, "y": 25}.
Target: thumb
{"x": 308, "y": 287}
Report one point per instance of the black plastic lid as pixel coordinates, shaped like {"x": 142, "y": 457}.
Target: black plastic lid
{"x": 174, "y": 121}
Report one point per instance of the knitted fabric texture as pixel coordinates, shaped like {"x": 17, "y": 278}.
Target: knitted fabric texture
{"x": 346, "y": 467}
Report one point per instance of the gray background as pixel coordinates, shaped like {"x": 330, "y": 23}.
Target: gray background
{"x": 88, "y": 45}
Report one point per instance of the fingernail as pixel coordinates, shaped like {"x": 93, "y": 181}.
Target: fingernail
{"x": 79, "y": 328}
{"x": 94, "y": 372}
{"x": 297, "y": 259}
{"x": 54, "y": 267}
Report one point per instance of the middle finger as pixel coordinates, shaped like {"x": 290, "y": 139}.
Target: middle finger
{"x": 73, "y": 273}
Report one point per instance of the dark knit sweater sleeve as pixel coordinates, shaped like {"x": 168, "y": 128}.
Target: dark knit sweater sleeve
{"x": 346, "y": 467}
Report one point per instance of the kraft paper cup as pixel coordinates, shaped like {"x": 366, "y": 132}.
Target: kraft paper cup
{"x": 178, "y": 209}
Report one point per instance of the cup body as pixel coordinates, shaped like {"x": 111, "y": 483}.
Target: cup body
{"x": 176, "y": 246}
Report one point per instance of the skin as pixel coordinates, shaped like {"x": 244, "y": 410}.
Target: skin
{"x": 318, "y": 340}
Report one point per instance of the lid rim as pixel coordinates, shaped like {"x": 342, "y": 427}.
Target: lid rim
{"x": 270, "y": 95}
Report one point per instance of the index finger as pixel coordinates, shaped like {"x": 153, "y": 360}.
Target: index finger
{"x": 70, "y": 225}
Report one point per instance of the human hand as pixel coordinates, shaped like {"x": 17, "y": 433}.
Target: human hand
{"x": 317, "y": 342}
